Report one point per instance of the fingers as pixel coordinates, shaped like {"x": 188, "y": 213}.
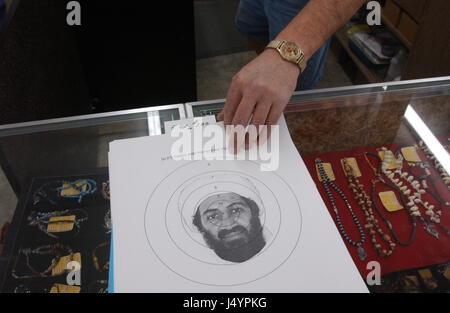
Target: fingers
{"x": 240, "y": 121}
{"x": 272, "y": 119}
{"x": 244, "y": 110}
{"x": 257, "y": 94}
{"x": 261, "y": 112}
{"x": 264, "y": 134}
{"x": 275, "y": 112}
{"x": 259, "y": 118}
{"x": 220, "y": 115}
{"x": 234, "y": 97}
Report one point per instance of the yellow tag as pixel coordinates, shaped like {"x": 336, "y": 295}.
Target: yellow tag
{"x": 392, "y": 164}
{"x": 55, "y": 226}
{"x": 353, "y": 164}
{"x": 428, "y": 278}
{"x": 67, "y": 190}
{"x": 390, "y": 201}
{"x": 60, "y": 288}
{"x": 411, "y": 282}
{"x": 410, "y": 154}
{"x": 425, "y": 273}
{"x": 61, "y": 267}
{"x": 447, "y": 273}
{"x": 328, "y": 170}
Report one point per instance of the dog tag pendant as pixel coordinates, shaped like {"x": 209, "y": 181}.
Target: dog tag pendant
{"x": 361, "y": 253}
{"x": 430, "y": 229}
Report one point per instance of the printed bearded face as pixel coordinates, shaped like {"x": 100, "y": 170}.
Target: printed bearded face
{"x": 230, "y": 226}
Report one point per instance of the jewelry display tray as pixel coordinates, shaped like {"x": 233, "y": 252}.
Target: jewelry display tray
{"x": 403, "y": 270}
{"x": 91, "y": 234}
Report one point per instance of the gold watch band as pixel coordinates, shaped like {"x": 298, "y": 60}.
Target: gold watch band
{"x": 278, "y": 45}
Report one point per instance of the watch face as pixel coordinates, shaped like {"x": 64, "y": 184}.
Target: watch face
{"x": 291, "y": 51}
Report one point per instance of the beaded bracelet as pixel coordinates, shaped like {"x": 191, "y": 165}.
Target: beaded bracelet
{"x": 53, "y": 190}
{"x": 42, "y": 220}
{"x": 89, "y": 185}
{"x": 57, "y": 250}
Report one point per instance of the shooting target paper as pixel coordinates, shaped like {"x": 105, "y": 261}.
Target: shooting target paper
{"x": 221, "y": 226}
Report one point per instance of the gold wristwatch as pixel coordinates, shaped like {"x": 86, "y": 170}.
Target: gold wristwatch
{"x": 289, "y": 51}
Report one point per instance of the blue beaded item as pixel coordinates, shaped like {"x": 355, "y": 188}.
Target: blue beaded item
{"x": 78, "y": 185}
{"x": 42, "y": 219}
{"x": 53, "y": 190}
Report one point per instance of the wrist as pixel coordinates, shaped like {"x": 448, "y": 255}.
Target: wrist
{"x": 290, "y": 68}
{"x": 300, "y": 42}
{"x": 290, "y": 52}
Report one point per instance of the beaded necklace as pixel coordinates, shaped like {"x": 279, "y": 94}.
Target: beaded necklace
{"x": 430, "y": 156}
{"x": 57, "y": 250}
{"x": 427, "y": 182}
{"x": 326, "y": 184}
{"x": 43, "y": 219}
{"x": 379, "y": 179}
{"x": 83, "y": 187}
{"x": 107, "y": 225}
{"x": 415, "y": 194}
{"x": 59, "y": 189}
{"x": 105, "y": 190}
{"x": 365, "y": 204}
{"x": 95, "y": 257}
{"x": 404, "y": 179}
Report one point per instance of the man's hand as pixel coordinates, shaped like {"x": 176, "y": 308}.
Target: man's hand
{"x": 262, "y": 88}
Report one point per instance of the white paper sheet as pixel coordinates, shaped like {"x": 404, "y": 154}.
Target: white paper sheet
{"x": 157, "y": 247}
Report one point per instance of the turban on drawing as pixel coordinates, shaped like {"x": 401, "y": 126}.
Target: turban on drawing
{"x": 215, "y": 184}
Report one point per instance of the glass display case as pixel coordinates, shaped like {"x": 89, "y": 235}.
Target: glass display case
{"x": 387, "y": 146}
